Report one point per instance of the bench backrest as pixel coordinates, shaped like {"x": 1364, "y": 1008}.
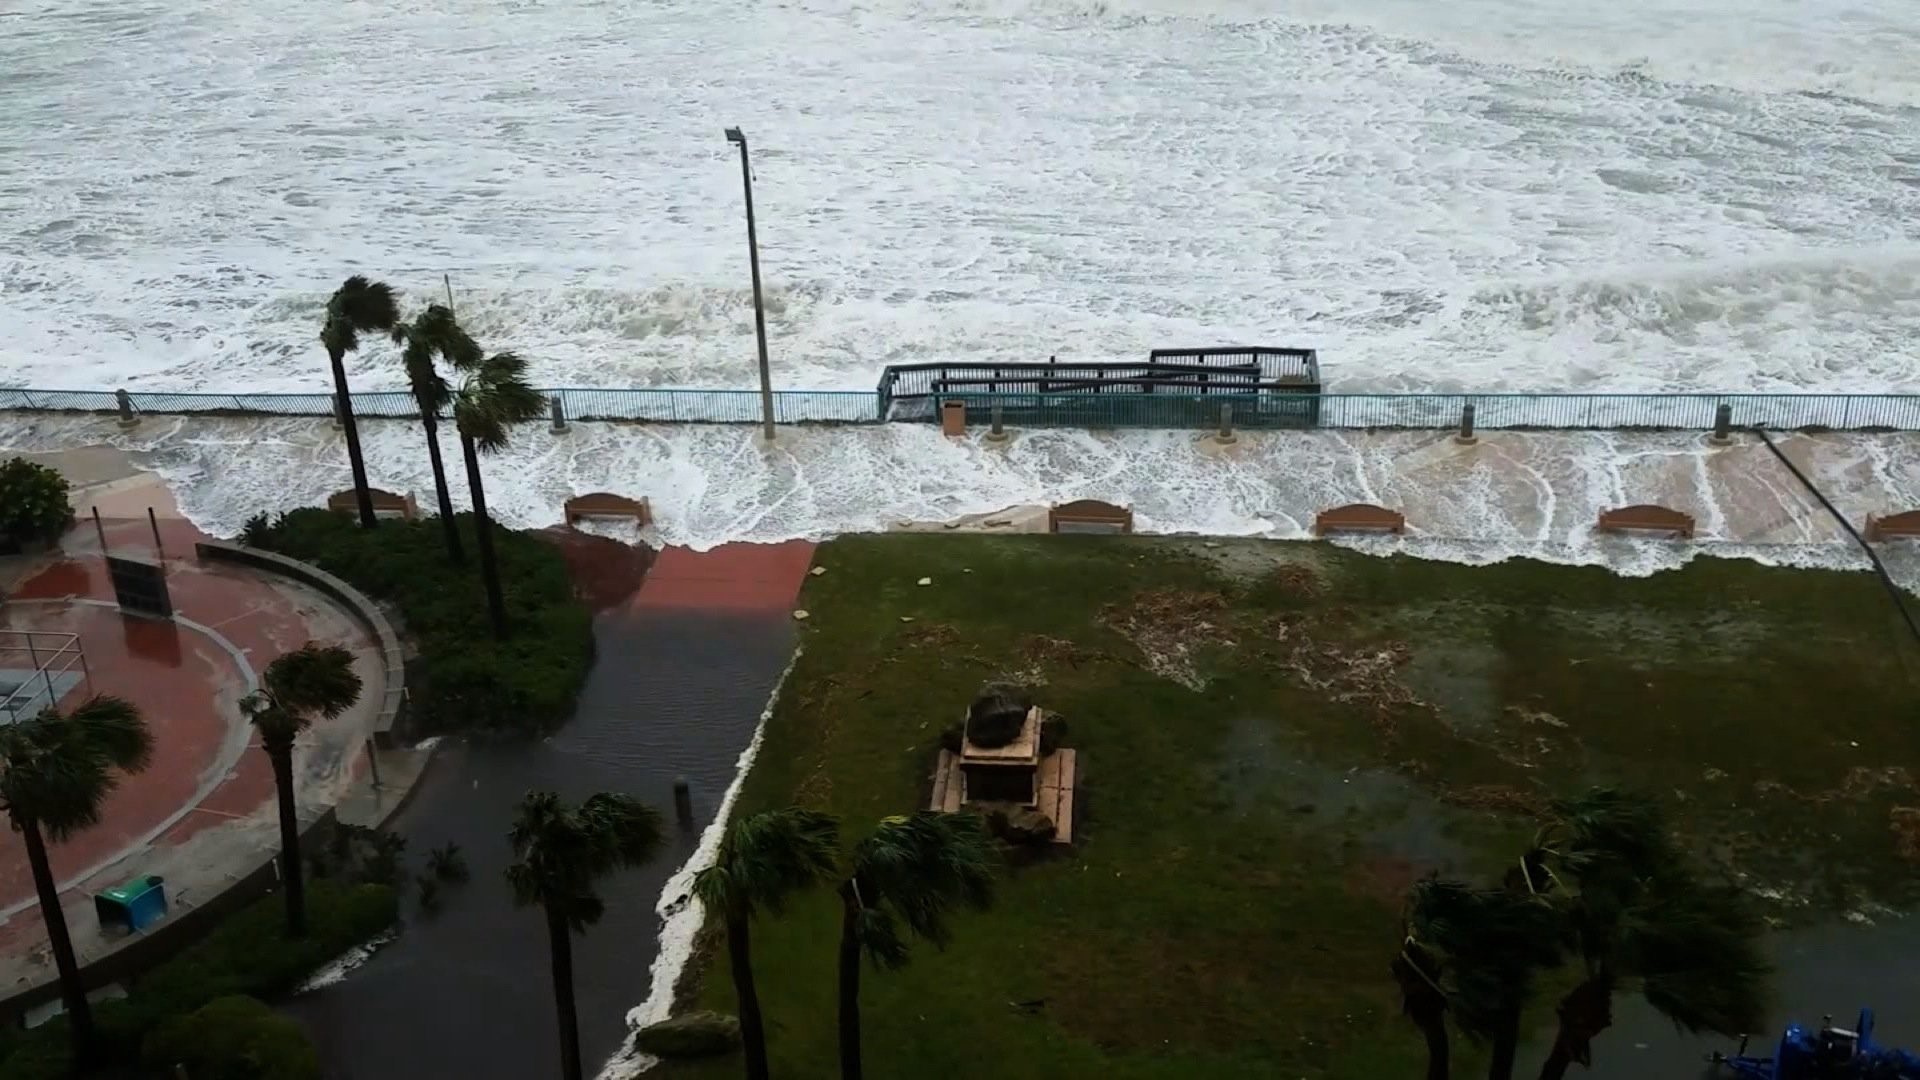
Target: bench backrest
{"x": 385, "y": 503}
{"x": 1885, "y": 526}
{"x": 1089, "y": 516}
{"x": 1359, "y": 517}
{"x": 1646, "y": 517}
{"x": 607, "y": 504}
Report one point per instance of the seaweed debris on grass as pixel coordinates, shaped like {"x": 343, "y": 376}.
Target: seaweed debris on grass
{"x": 1273, "y": 745}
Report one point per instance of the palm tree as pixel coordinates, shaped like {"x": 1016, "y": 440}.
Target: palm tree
{"x": 763, "y": 860}
{"x": 435, "y": 333}
{"x": 1640, "y": 918}
{"x": 312, "y": 681}
{"x": 914, "y": 870}
{"x": 1424, "y": 1001}
{"x": 356, "y": 307}
{"x": 491, "y": 400}
{"x": 55, "y": 775}
{"x": 560, "y": 851}
{"x": 1474, "y": 952}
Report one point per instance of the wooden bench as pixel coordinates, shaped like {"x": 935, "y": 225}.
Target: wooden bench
{"x": 1647, "y": 518}
{"x": 386, "y": 504}
{"x": 1359, "y": 517}
{"x": 1893, "y": 526}
{"x": 602, "y": 504}
{"x": 1089, "y": 516}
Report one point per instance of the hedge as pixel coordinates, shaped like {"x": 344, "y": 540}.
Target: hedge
{"x": 463, "y": 679}
{"x": 249, "y": 955}
{"x": 232, "y": 1038}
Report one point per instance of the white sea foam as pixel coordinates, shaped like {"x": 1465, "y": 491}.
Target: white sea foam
{"x": 1462, "y": 194}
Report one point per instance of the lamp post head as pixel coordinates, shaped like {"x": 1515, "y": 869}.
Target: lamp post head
{"x": 734, "y": 136}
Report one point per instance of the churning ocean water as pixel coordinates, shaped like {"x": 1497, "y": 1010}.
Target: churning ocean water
{"x": 1646, "y": 194}
{"x": 1484, "y": 194}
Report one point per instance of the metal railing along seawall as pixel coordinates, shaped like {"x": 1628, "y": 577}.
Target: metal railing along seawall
{"x": 1493, "y": 411}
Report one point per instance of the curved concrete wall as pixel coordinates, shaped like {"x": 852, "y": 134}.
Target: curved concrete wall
{"x": 362, "y": 609}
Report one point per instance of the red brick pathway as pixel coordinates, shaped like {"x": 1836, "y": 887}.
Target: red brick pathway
{"x": 729, "y": 578}
{"x": 185, "y": 681}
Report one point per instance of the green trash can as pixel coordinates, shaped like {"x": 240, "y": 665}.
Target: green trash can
{"x": 133, "y": 906}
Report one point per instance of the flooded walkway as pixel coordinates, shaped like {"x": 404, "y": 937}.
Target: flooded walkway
{"x": 683, "y": 670}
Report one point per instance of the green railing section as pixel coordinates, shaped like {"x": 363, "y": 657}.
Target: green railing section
{"x": 1696, "y": 411}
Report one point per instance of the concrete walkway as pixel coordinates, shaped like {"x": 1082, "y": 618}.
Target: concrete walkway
{"x": 203, "y": 814}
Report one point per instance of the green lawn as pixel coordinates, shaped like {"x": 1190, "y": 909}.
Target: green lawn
{"x": 1275, "y": 739}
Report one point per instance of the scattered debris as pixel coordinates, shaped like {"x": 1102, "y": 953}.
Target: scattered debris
{"x": 817, "y": 571}
{"x": 924, "y": 581}
{"x": 906, "y": 618}
{"x": 1168, "y": 626}
{"x": 802, "y": 614}
{"x": 1714, "y": 774}
{"x": 1905, "y": 822}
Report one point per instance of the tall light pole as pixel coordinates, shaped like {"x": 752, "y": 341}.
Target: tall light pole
{"x": 735, "y": 136}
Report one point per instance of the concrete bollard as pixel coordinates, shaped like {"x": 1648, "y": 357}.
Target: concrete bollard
{"x": 337, "y": 421}
{"x": 998, "y": 432}
{"x": 1722, "y": 425}
{"x": 683, "y": 801}
{"x": 373, "y": 764}
{"x": 1465, "y": 436}
{"x": 1225, "y": 436}
{"x": 559, "y": 411}
{"x": 125, "y": 401}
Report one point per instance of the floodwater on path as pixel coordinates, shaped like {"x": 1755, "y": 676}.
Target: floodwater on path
{"x": 1831, "y": 969}
{"x": 466, "y": 992}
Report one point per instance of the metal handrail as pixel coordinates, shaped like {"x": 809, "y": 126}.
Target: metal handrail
{"x": 46, "y": 661}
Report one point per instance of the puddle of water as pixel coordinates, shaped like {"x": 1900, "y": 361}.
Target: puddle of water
{"x": 1264, "y": 770}
{"x": 1832, "y": 969}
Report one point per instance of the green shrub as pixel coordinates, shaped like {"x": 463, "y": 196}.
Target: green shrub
{"x": 463, "y": 679}
{"x": 33, "y": 503}
{"x": 233, "y": 1038}
{"x": 248, "y": 955}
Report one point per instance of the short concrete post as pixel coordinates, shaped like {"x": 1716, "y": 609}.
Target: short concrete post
{"x": 998, "y": 432}
{"x": 373, "y": 764}
{"x": 125, "y": 401}
{"x": 336, "y": 411}
{"x": 1722, "y": 425}
{"x": 559, "y": 411}
{"x": 683, "y": 802}
{"x": 1225, "y": 436}
{"x": 1465, "y": 436}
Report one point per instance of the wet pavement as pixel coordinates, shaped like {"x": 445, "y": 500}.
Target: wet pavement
{"x": 202, "y": 814}
{"x": 681, "y": 676}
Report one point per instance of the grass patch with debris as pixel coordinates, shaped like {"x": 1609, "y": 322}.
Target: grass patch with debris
{"x": 1275, "y": 740}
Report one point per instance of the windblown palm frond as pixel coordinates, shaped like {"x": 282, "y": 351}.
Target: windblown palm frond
{"x": 358, "y": 307}
{"x": 1492, "y": 942}
{"x": 493, "y": 399}
{"x": 58, "y": 769}
{"x": 560, "y": 851}
{"x": 1695, "y": 947}
{"x": 918, "y": 869}
{"x": 766, "y": 858}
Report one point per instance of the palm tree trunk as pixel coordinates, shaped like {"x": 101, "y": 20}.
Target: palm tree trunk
{"x": 1555, "y": 1067}
{"x": 560, "y": 941}
{"x": 73, "y": 993}
{"x": 1585, "y": 1012}
{"x": 1439, "y": 1053}
{"x": 483, "y": 530}
{"x": 454, "y": 551}
{"x": 849, "y": 984}
{"x": 1506, "y": 1044}
{"x": 292, "y": 882}
{"x": 753, "y": 1032}
{"x": 343, "y": 402}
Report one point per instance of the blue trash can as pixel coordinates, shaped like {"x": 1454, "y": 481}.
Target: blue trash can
{"x": 134, "y": 905}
